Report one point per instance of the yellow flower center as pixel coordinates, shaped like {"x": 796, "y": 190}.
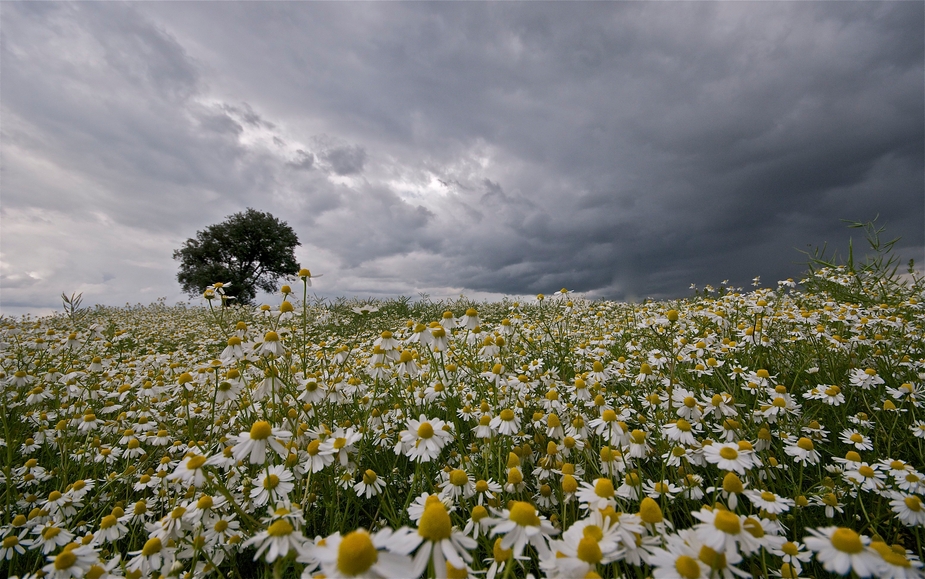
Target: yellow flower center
{"x": 855, "y": 438}
{"x": 727, "y": 522}
{"x": 913, "y": 503}
{"x": 425, "y": 430}
{"x": 589, "y": 551}
{"x": 152, "y": 547}
{"x": 108, "y": 521}
{"x": 687, "y": 567}
{"x": 732, "y": 483}
{"x": 768, "y": 496}
{"x": 271, "y": 482}
{"x": 507, "y": 414}
{"x": 500, "y": 554}
{"x": 280, "y": 528}
{"x": 458, "y": 478}
{"x": 356, "y": 553}
{"x": 261, "y": 430}
{"x": 65, "y": 560}
{"x": 603, "y": 487}
{"x": 650, "y": 512}
{"x": 866, "y": 471}
{"x": 339, "y": 443}
{"x": 729, "y": 453}
{"x": 435, "y": 524}
{"x": 524, "y": 514}
{"x": 195, "y": 462}
{"x": 713, "y": 559}
{"x": 847, "y": 541}
{"x": 478, "y": 513}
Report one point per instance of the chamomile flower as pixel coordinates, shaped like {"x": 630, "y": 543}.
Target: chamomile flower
{"x": 909, "y": 509}
{"x": 380, "y": 555}
{"x": 253, "y": 444}
{"x": 803, "y": 451}
{"x": 438, "y": 542}
{"x": 856, "y": 439}
{"x": 424, "y": 439}
{"x": 272, "y": 485}
{"x": 725, "y": 532}
{"x": 597, "y": 496}
{"x": 769, "y": 502}
{"x": 370, "y": 485}
{"x": 73, "y": 561}
{"x": 189, "y": 470}
{"x": 278, "y": 540}
{"x": 520, "y": 525}
{"x": 729, "y": 456}
{"x": 842, "y": 550}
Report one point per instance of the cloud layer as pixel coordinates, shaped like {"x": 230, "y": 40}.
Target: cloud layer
{"x": 619, "y": 149}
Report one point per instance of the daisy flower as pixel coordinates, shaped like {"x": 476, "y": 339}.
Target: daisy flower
{"x": 273, "y": 484}
{"x": 506, "y": 423}
{"x": 896, "y": 561}
{"x": 678, "y": 560}
{"x": 438, "y": 542}
{"x": 802, "y": 450}
{"x": 681, "y": 431}
{"x": 253, "y": 444}
{"x": 458, "y": 483}
{"x": 597, "y": 496}
{"x": 424, "y": 439}
{"x": 362, "y": 554}
{"x": 867, "y": 477}
{"x": 278, "y": 540}
{"x": 73, "y": 561}
{"x": 479, "y": 522}
{"x": 111, "y": 529}
{"x": 521, "y": 524}
{"x": 370, "y": 486}
{"x": 153, "y": 556}
{"x": 729, "y": 456}
{"x": 769, "y": 501}
{"x": 854, "y": 438}
{"x": 189, "y": 470}
{"x": 793, "y": 554}
{"x": 340, "y": 444}
{"x": 909, "y": 509}
{"x": 658, "y": 489}
{"x": 50, "y": 537}
{"x": 724, "y": 531}
{"x": 841, "y": 550}
{"x": 582, "y": 548}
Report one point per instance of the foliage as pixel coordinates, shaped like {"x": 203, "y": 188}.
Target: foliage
{"x": 72, "y": 307}
{"x": 247, "y": 251}
{"x": 873, "y": 280}
{"x": 770, "y": 433}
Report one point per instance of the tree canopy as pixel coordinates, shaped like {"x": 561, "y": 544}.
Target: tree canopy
{"x": 247, "y": 251}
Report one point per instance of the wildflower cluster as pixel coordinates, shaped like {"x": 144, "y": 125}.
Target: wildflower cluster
{"x": 765, "y": 433}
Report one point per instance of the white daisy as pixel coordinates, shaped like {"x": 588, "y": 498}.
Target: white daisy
{"x": 841, "y": 550}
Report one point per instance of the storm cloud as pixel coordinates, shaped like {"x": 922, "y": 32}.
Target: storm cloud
{"x": 619, "y": 149}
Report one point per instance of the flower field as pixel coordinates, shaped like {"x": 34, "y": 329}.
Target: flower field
{"x": 772, "y": 432}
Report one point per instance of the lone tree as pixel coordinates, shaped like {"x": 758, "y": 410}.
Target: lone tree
{"x": 250, "y": 250}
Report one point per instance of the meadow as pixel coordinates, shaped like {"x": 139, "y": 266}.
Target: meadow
{"x": 770, "y": 432}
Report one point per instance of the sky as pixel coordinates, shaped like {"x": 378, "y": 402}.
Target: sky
{"x": 621, "y": 150}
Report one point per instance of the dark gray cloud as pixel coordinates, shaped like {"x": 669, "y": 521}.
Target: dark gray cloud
{"x": 623, "y": 149}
